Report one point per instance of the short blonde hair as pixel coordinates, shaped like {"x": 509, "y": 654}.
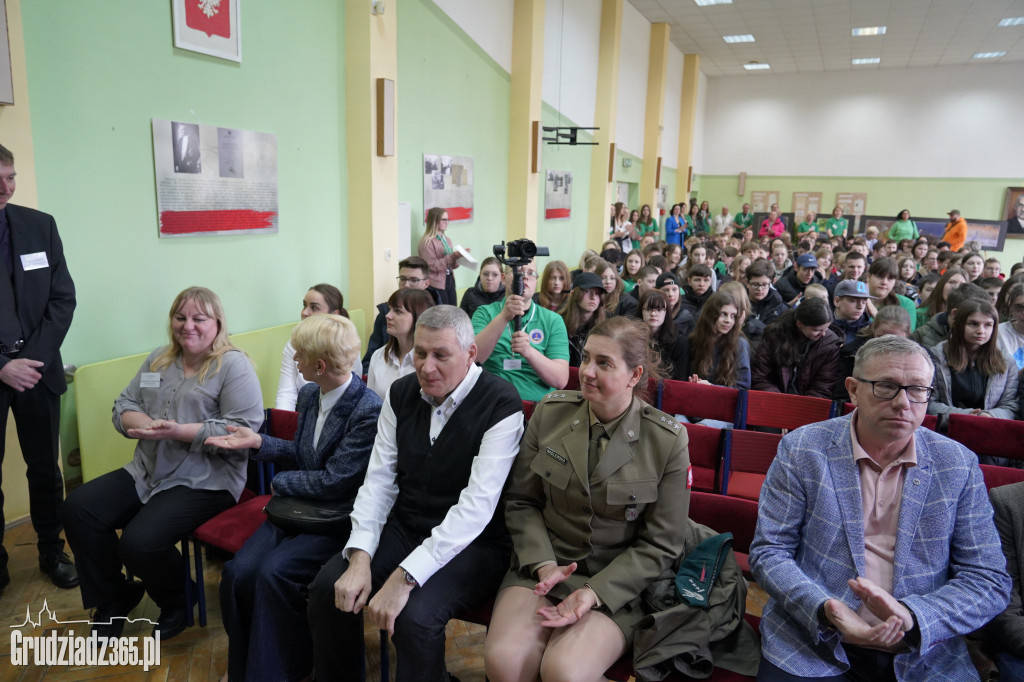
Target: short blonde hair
{"x": 331, "y": 338}
{"x": 816, "y": 291}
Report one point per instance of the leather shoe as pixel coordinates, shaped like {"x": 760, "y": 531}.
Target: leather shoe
{"x": 58, "y": 566}
{"x": 109, "y": 620}
{"x": 170, "y": 624}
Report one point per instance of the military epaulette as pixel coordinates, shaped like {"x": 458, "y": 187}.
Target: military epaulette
{"x": 662, "y": 419}
{"x": 564, "y": 397}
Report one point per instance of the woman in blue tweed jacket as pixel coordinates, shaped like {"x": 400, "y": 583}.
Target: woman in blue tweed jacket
{"x": 263, "y": 589}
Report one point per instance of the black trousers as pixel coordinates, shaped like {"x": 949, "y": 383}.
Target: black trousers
{"x": 37, "y": 416}
{"x": 866, "y": 665}
{"x": 93, "y": 514}
{"x": 468, "y": 579}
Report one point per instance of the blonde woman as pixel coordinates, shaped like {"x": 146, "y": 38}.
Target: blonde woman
{"x": 442, "y": 258}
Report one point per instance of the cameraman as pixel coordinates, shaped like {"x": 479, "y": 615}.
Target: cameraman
{"x": 536, "y": 359}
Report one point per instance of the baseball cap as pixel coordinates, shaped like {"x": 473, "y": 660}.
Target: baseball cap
{"x": 854, "y": 288}
{"x": 666, "y": 278}
{"x": 807, "y": 261}
{"x": 587, "y": 280}
{"x": 955, "y": 210}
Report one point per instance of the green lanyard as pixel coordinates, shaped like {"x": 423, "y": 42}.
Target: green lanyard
{"x": 444, "y": 244}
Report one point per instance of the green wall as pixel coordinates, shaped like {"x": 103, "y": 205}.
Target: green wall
{"x": 452, "y": 99}
{"x": 566, "y": 239}
{"x": 98, "y": 73}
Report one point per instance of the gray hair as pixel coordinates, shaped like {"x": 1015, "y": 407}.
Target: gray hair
{"x": 888, "y": 344}
{"x": 449, "y": 317}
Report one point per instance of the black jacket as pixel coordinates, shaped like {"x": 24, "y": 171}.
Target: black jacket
{"x": 476, "y": 297}
{"x": 790, "y": 287}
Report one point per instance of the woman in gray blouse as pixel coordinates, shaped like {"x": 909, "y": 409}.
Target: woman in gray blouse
{"x": 185, "y": 392}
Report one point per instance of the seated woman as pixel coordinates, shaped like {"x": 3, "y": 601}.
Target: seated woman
{"x": 634, "y": 261}
{"x": 567, "y": 607}
{"x": 799, "y": 353}
{"x": 489, "y": 287}
{"x": 891, "y": 319}
{"x": 1011, "y": 332}
{"x": 319, "y": 300}
{"x": 615, "y": 303}
{"x": 394, "y": 359}
{"x": 554, "y": 285}
{"x": 583, "y": 310}
{"x": 185, "y": 392}
{"x": 263, "y": 588}
{"x": 672, "y": 347}
{"x": 973, "y": 264}
{"x": 718, "y": 352}
{"x": 972, "y": 375}
{"x": 950, "y": 279}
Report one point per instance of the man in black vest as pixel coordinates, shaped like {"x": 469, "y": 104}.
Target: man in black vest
{"x": 37, "y": 300}
{"x": 428, "y": 540}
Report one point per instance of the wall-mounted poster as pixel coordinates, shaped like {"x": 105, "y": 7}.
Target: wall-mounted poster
{"x": 804, "y": 203}
{"x": 208, "y": 26}
{"x": 761, "y": 202}
{"x": 448, "y": 184}
{"x": 663, "y": 200}
{"x": 990, "y": 234}
{"x": 6, "y": 79}
{"x": 212, "y": 180}
{"x": 558, "y": 195}
{"x": 1014, "y": 213}
{"x": 852, "y": 203}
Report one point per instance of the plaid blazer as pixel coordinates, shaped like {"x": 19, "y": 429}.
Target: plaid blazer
{"x": 949, "y": 569}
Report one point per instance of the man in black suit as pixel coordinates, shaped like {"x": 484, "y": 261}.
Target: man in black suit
{"x": 37, "y": 301}
{"x": 1015, "y": 223}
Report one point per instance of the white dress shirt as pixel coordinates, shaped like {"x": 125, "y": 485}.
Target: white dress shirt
{"x": 384, "y": 371}
{"x": 327, "y": 402}
{"x": 477, "y": 502}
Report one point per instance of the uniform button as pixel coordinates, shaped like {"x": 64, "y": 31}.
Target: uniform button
{"x": 632, "y": 497}
{"x": 547, "y": 474}
{"x": 586, "y": 510}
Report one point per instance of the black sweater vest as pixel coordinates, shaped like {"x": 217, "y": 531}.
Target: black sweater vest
{"x": 431, "y": 476}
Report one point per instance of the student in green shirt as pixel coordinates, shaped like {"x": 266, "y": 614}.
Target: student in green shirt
{"x": 903, "y": 227}
{"x": 810, "y": 224}
{"x": 837, "y": 224}
{"x": 745, "y": 219}
{"x": 646, "y": 224}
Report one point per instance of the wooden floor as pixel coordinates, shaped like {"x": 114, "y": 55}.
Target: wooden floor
{"x": 198, "y": 654}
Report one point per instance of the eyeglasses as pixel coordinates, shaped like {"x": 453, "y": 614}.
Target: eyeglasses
{"x": 444, "y": 220}
{"x": 759, "y": 285}
{"x": 410, "y": 280}
{"x": 530, "y": 274}
{"x": 888, "y": 390}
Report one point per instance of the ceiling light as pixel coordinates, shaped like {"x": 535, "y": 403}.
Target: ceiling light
{"x": 756, "y": 66}
{"x": 745, "y": 38}
{"x": 705, "y": 3}
{"x": 989, "y": 55}
{"x": 869, "y": 31}
{"x": 868, "y": 60}
{"x": 1012, "y": 21}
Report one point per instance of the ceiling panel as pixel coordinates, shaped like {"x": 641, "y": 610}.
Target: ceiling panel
{"x": 815, "y": 35}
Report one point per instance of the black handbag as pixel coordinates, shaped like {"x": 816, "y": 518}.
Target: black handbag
{"x": 315, "y": 517}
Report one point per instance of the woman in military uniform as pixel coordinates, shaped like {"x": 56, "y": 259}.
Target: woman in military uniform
{"x": 597, "y": 507}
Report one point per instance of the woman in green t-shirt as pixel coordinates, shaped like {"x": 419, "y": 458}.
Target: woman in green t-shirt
{"x": 837, "y": 224}
{"x": 810, "y": 224}
{"x": 903, "y": 227}
{"x": 645, "y": 224}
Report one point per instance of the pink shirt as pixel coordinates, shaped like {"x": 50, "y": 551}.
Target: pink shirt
{"x": 881, "y": 492}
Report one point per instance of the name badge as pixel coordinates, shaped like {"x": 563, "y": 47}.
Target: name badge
{"x": 557, "y": 457}
{"x": 150, "y": 380}
{"x": 511, "y": 364}
{"x": 34, "y": 261}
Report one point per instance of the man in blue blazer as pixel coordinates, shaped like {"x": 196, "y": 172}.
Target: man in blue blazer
{"x": 37, "y": 300}
{"x": 875, "y": 538}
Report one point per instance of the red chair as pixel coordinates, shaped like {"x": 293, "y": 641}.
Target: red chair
{"x": 931, "y": 422}
{"x": 705, "y": 457}
{"x": 987, "y": 436}
{"x": 748, "y": 454}
{"x": 229, "y": 530}
{"x": 996, "y": 476}
{"x": 784, "y": 411}
{"x": 728, "y": 515}
{"x": 700, "y": 401}
{"x": 574, "y": 379}
{"x": 528, "y": 406}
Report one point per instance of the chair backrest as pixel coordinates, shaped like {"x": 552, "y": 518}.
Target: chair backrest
{"x": 996, "y": 476}
{"x": 931, "y": 421}
{"x": 279, "y": 424}
{"x": 528, "y": 406}
{"x": 705, "y": 447}
{"x": 987, "y": 436}
{"x": 726, "y": 515}
{"x": 784, "y": 411}
{"x": 748, "y": 454}
{"x": 574, "y": 379}
{"x": 700, "y": 401}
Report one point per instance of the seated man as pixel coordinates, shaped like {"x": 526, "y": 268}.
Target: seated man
{"x": 766, "y": 305}
{"x": 413, "y": 273}
{"x": 697, "y": 290}
{"x": 874, "y": 538}
{"x": 536, "y": 358}
{"x": 792, "y": 284}
{"x": 1006, "y": 631}
{"x": 425, "y": 542}
{"x": 646, "y": 279}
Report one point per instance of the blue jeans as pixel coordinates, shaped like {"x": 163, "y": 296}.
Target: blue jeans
{"x": 263, "y": 593}
{"x": 470, "y": 578}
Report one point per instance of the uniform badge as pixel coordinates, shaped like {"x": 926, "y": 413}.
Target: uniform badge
{"x": 557, "y": 457}
{"x": 536, "y": 336}
{"x": 631, "y": 512}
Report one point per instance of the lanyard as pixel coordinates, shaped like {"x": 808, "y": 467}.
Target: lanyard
{"x": 508, "y": 325}
{"x": 444, "y": 244}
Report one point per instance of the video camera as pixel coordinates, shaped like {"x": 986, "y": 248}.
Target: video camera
{"x": 516, "y": 254}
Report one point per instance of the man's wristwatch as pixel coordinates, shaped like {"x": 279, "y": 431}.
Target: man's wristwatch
{"x": 409, "y": 580}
